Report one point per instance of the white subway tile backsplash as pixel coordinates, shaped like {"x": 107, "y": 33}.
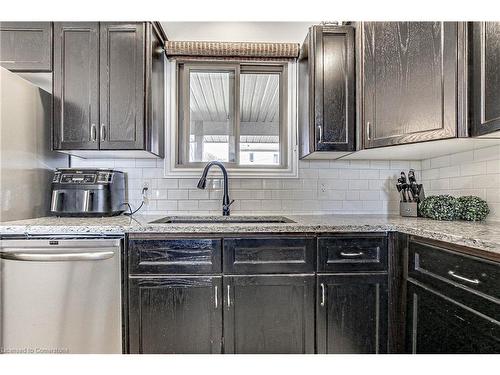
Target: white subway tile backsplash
{"x": 349, "y": 174}
{"x": 198, "y": 194}
{"x": 165, "y": 205}
{"x": 369, "y": 195}
{"x": 452, "y": 171}
{"x": 360, "y": 164}
{"x": 488, "y": 153}
{"x": 178, "y": 194}
{"x": 401, "y": 165}
{"x": 467, "y": 173}
{"x": 166, "y": 183}
{"x": 461, "y": 157}
{"x": 145, "y": 163}
{"x": 187, "y": 205}
{"x": 380, "y": 164}
{"x": 493, "y": 166}
{"x": 341, "y": 164}
{"x": 358, "y": 184}
{"x": 309, "y": 173}
{"x": 323, "y": 186}
{"x": 472, "y": 169}
{"x": 442, "y": 161}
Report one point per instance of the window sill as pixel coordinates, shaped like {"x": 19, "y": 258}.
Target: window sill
{"x": 179, "y": 172}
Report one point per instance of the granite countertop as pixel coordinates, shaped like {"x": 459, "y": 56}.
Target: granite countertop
{"x": 482, "y": 236}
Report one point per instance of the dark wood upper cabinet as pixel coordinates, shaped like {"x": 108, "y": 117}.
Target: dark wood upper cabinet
{"x": 122, "y": 86}
{"x": 409, "y": 82}
{"x": 326, "y": 86}
{"x": 269, "y": 314}
{"x": 352, "y": 313}
{"x": 437, "y": 324}
{"x": 484, "y": 102}
{"x": 26, "y": 46}
{"x": 175, "y": 315}
{"x": 109, "y": 77}
{"x": 76, "y": 85}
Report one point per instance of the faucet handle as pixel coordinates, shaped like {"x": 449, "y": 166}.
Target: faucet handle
{"x": 230, "y": 203}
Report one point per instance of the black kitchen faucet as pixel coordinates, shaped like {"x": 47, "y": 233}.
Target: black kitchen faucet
{"x": 203, "y": 182}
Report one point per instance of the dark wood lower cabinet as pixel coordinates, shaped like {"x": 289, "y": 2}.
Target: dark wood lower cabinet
{"x": 269, "y": 314}
{"x": 439, "y": 299}
{"x": 352, "y": 313}
{"x": 437, "y": 324}
{"x": 175, "y": 314}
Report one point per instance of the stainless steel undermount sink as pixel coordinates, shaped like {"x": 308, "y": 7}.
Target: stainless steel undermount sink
{"x": 221, "y": 219}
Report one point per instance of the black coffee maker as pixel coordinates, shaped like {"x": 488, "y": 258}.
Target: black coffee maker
{"x": 87, "y": 192}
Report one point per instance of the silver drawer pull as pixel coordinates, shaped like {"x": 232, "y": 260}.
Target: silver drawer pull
{"x": 216, "y": 295}
{"x": 351, "y": 255}
{"x": 472, "y": 281}
{"x": 322, "y": 294}
{"x": 228, "y": 296}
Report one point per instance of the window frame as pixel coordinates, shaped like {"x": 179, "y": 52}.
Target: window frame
{"x": 177, "y": 77}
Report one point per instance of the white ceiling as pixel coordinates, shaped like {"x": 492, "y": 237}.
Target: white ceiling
{"x": 279, "y": 32}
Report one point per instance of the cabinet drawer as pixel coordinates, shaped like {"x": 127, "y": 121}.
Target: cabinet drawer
{"x": 438, "y": 266}
{"x": 364, "y": 252}
{"x": 269, "y": 255}
{"x": 174, "y": 256}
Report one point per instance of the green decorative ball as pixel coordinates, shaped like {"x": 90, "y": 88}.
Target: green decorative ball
{"x": 473, "y": 208}
{"x": 440, "y": 207}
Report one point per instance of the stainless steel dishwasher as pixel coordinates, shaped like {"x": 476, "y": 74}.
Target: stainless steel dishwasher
{"x": 60, "y": 296}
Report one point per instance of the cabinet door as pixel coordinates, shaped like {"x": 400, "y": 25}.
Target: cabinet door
{"x": 175, "y": 315}
{"x": 485, "y": 93}
{"x": 333, "y": 82}
{"x": 409, "y": 82}
{"x": 26, "y": 46}
{"x": 352, "y": 313}
{"x": 76, "y": 79}
{"x": 122, "y": 66}
{"x": 269, "y": 314}
{"x": 439, "y": 325}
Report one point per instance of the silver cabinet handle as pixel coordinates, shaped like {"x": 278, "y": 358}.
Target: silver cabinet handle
{"x": 56, "y": 257}
{"x": 216, "y": 296}
{"x": 320, "y": 132}
{"x": 472, "y": 281}
{"x": 368, "y": 126}
{"x": 351, "y": 255}
{"x": 322, "y": 294}
{"x": 228, "y": 296}
{"x": 93, "y": 133}
{"x": 103, "y": 132}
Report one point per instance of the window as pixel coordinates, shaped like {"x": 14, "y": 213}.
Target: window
{"x": 236, "y": 113}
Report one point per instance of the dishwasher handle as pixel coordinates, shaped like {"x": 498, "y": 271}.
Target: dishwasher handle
{"x": 40, "y": 256}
